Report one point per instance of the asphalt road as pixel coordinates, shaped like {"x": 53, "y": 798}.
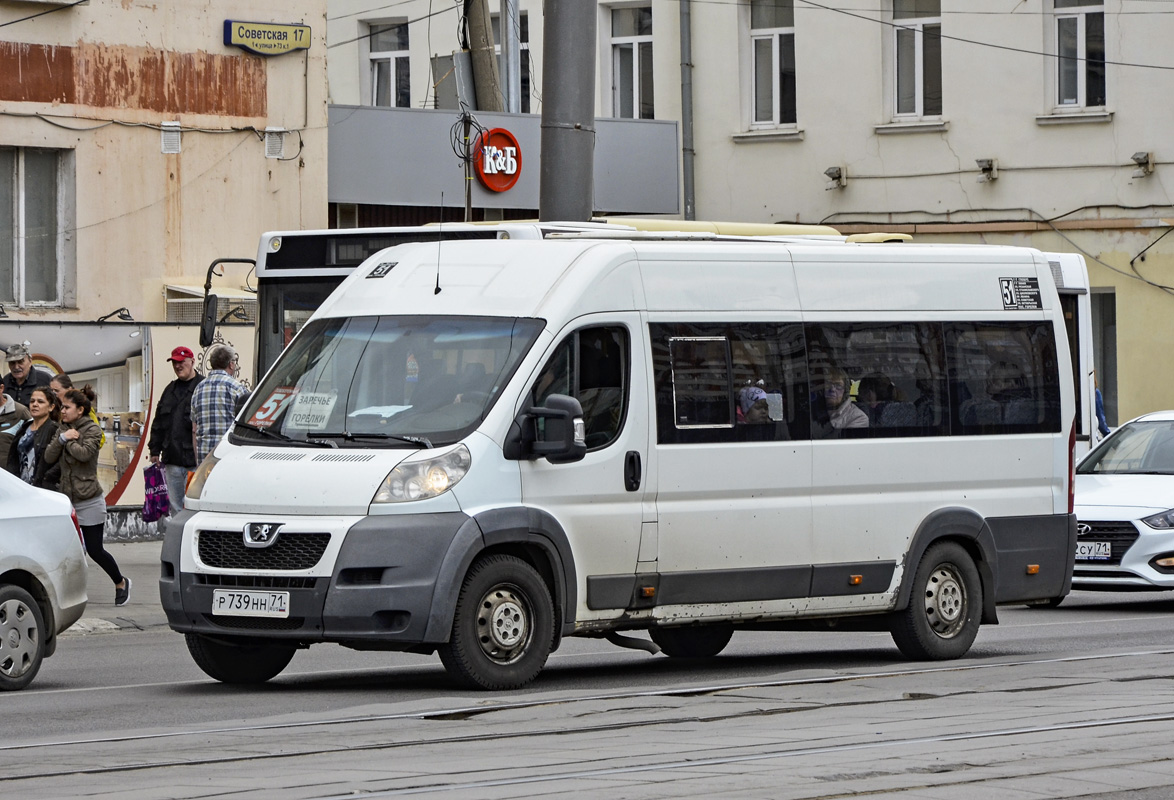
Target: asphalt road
{"x": 1067, "y": 702}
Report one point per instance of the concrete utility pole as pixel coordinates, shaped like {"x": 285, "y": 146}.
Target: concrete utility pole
{"x": 481, "y": 52}
{"x": 566, "y": 189}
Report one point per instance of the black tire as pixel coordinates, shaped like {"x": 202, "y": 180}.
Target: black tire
{"x": 700, "y": 641}
{"x": 246, "y": 662}
{"x": 503, "y": 627}
{"x": 22, "y": 638}
{"x": 945, "y": 608}
{"x": 1053, "y": 602}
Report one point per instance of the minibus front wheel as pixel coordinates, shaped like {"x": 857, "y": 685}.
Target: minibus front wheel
{"x": 945, "y": 607}
{"x": 503, "y": 628}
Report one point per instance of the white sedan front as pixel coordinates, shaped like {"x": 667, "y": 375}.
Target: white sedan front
{"x": 1125, "y": 508}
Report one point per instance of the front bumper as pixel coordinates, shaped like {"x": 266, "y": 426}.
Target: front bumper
{"x": 1134, "y": 546}
{"x": 372, "y": 585}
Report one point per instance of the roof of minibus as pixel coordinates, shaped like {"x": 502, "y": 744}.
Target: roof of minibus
{"x": 524, "y": 278}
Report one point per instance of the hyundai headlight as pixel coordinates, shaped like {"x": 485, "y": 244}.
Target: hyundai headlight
{"x": 200, "y": 477}
{"x": 1163, "y": 521}
{"x": 426, "y": 478}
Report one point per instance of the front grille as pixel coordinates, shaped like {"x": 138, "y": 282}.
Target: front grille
{"x": 291, "y": 551}
{"x": 257, "y": 623}
{"x": 255, "y": 581}
{"x": 1121, "y": 535}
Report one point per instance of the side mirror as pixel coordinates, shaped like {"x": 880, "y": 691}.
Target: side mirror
{"x": 208, "y": 320}
{"x": 554, "y": 431}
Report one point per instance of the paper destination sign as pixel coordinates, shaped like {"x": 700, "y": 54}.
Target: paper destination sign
{"x": 311, "y": 411}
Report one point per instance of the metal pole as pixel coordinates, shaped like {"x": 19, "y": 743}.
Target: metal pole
{"x": 467, "y": 120}
{"x": 687, "y": 109}
{"x": 566, "y": 187}
{"x": 511, "y": 56}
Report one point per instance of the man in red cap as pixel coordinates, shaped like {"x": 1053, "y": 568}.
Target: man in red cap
{"x": 171, "y": 432}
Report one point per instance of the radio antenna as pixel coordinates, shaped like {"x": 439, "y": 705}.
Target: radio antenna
{"x": 439, "y": 240}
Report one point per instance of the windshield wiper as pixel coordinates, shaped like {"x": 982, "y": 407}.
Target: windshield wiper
{"x": 348, "y": 436}
{"x": 281, "y": 437}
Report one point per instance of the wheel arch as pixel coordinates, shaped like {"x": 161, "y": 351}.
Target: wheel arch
{"x": 530, "y": 534}
{"x": 966, "y": 527}
{"x": 35, "y": 587}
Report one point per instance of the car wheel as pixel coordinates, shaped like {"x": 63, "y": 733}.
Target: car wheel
{"x": 246, "y": 662}
{"x": 945, "y": 609}
{"x": 503, "y": 627}
{"x": 22, "y": 638}
{"x": 702, "y": 641}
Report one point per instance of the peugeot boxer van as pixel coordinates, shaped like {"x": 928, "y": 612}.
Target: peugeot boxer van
{"x": 479, "y": 448}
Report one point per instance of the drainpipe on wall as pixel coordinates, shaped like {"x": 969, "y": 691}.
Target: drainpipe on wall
{"x": 687, "y": 109}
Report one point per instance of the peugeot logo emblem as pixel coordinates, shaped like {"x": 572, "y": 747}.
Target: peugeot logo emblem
{"x": 261, "y": 534}
{"x": 1083, "y": 529}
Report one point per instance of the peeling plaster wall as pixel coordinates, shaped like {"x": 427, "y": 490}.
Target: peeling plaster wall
{"x": 98, "y": 79}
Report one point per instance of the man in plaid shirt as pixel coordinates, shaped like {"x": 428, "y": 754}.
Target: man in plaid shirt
{"x": 216, "y": 400}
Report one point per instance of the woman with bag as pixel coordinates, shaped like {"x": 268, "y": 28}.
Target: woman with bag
{"x": 26, "y": 457}
{"x": 76, "y": 447}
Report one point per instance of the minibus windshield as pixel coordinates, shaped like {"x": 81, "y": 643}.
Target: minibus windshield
{"x": 403, "y": 381}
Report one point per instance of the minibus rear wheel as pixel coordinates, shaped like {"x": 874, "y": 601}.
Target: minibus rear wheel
{"x": 945, "y": 608}
{"x": 701, "y": 641}
{"x": 503, "y": 627}
{"x": 228, "y": 662}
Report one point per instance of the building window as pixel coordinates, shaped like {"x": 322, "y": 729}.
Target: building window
{"x": 631, "y": 60}
{"x": 1080, "y": 50}
{"x": 918, "y": 47}
{"x": 32, "y": 235}
{"x": 390, "y": 68}
{"x": 1104, "y": 349}
{"x": 524, "y": 63}
{"x": 772, "y": 41}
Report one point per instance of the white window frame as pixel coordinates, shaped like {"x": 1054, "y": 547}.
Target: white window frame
{"x": 19, "y": 224}
{"x": 1080, "y": 14}
{"x": 617, "y": 44}
{"x": 917, "y": 25}
{"x": 774, "y": 35}
{"x": 392, "y": 57}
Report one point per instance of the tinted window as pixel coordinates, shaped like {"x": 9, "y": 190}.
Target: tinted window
{"x": 590, "y": 365}
{"x": 729, "y": 382}
{"x": 1004, "y": 377}
{"x": 878, "y": 380}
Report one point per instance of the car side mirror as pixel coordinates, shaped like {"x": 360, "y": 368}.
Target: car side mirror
{"x": 555, "y": 432}
{"x": 208, "y": 320}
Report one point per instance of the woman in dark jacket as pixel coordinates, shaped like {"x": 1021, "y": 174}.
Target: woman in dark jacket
{"x": 26, "y": 457}
{"x": 76, "y": 447}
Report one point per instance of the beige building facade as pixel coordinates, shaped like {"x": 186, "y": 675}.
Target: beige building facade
{"x": 136, "y": 146}
{"x": 1037, "y": 123}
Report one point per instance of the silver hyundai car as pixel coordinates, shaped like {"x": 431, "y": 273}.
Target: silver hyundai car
{"x": 42, "y": 577}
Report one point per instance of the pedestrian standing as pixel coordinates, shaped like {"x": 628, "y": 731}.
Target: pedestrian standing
{"x": 26, "y": 457}
{"x": 215, "y": 400}
{"x": 12, "y": 414}
{"x": 22, "y": 376}
{"x": 171, "y": 441}
{"x": 76, "y": 447}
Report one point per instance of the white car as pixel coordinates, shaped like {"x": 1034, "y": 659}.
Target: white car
{"x": 1125, "y": 508}
{"x": 42, "y": 577}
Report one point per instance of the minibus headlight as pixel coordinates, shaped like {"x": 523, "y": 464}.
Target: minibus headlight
{"x": 420, "y": 480}
{"x": 196, "y": 484}
{"x": 1163, "y": 521}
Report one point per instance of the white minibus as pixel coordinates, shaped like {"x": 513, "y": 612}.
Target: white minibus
{"x": 477, "y": 448}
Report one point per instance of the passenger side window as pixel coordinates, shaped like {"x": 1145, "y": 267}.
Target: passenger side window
{"x": 591, "y": 365}
{"x": 1004, "y": 377}
{"x": 723, "y": 382}
{"x": 878, "y": 380}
